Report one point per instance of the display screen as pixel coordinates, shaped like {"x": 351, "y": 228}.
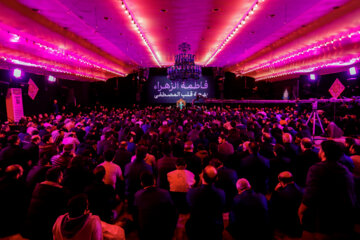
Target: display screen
{"x": 163, "y": 90}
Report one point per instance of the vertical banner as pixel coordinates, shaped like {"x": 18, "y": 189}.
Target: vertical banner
{"x": 14, "y": 104}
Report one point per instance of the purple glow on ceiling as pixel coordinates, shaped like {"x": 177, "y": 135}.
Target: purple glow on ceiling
{"x": 315, "y": 49}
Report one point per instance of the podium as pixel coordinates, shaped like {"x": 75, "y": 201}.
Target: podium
{"x": 14, "y": 105}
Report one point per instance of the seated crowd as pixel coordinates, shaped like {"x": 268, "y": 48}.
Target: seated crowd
{"x": 236, "y": 173}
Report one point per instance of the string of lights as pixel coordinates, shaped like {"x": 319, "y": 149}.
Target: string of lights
{"x": 136, "y": 25}
{"x": 240, "y": 24}
{"x": 305, "y": 52}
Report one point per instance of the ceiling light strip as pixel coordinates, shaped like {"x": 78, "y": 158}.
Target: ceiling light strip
{"x": 48, "y": 68}
{"x": 308, "y": 51}
{"x": 240, "y": 24}
{"x": 312, "y": 68}
{"x": 58, "y": 52}
{"x": 140, "y": 32}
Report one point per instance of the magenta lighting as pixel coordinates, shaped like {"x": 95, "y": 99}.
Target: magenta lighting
{"x": 308, "y": 51}
{"x": 240, "y": 24}
{"x": 312, "y": 77}
{"x": 51, "y": 79}
{"x": 352, "y": 71}
{"x": 17, "y": 73}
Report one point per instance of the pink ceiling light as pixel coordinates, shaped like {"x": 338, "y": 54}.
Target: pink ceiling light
{"x": 241, "y": 23}
{"x": 52, "y": 68}
{"x": 313, "y": 50}
{"x": 312, "y": 68}
{"x": 140, "y": 32}
{"x": 66, "y": 55}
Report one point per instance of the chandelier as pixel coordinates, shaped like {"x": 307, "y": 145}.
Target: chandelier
{"x": 184, "y": 67}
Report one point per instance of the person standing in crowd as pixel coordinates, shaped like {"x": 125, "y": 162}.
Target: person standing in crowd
{"x": 78, "y": 223}
{"x": 13, "y": 201}
{"x": 180, "y": 181}
{"x": 113, "y": 172}
{"x": 48, "y": 201}
{"x": 154, "y": 210}
{"x": 329, "y": 198}
{"x": 206, "y": 208}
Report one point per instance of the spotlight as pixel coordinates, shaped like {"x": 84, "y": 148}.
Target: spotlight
{"x": 17, "y": 73}
{"x": 312, "y": 77}
{"x": 51, "y": 79}
{"x": 352, "y": 71}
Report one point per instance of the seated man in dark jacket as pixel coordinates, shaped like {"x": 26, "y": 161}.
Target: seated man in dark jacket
{"x": 249, "y": 214}
{"x": 284, "y": 205}
{"x": 47, "y": 203}
{"x": 155, "y": 210}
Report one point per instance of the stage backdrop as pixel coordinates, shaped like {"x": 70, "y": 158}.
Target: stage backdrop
{"x": 162, "y": 90}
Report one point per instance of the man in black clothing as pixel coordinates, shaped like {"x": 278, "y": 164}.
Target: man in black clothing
{"x": 284, "y": 205}
{"x": 13, "y": 201}
{"x": 248, "y": 218}
{"x": 304, "y": 161}
{"x": 32, "y": 149}
{"x": 101, "y": 196}
{"x": 122, "y": 156}
{"x": 14, "y": 154}
{"x": 255, "y": 168}
{"x": 47, "y": 203}
{"x": 206, "y": 207}
{"x": 329, "y": 197}
{"x": 155, "y": 210}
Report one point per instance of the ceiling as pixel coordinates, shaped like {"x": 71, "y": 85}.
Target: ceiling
{"x": 100, "y": 39}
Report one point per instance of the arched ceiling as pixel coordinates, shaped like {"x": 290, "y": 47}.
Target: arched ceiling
{"x": 100, "y": 39}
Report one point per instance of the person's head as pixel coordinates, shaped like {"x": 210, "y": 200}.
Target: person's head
{"x": 35, "y": 139}
{"x": 287, "y": 138}
{"x": 279, "y": 150}
{"x": 123, "y": 145}
{"x": 14, "y": 140}
{"x": 180, "y": 163}
{"x": 78, "y": 205}
{"x": 253, "y": 148}
{"x": 330, "y": 151}
{"x": 216, "y": 163}
{"x": 109, "y": 155}
{"x": 99, "y": 173}
{"x": 47, "y": 139}
{"x": 242, "y": 185}
{"x": 147, "y": 179}
{"x": 68, "y": 148}
{"x": 55, "y": 101}
{"x": 141, "y": 152}
{"x": 355, "y": 149}
{"x": 108, "y": 135}
{"x": 166, "y": 149}
{"x": 209, "y": 175}
{"x": 285, "y": 178}
{"x": 306, "y": 144}
{"x": 188, "y": 146}
{"x": 221, "y": 139}
{"x": 349, "y": 142}
{"x": 14, "y": 171}
{"x": 245, "y": 146}
{"x": 54, "y": 174}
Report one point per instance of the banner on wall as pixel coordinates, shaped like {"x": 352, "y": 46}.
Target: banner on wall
{"x": 163, "y": 90}
{"x": 14, "y": 104}
{"x": 33, "y": 89}
{"x": 336, "y": 88}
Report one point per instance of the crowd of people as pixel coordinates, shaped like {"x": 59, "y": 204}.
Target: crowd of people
{"x": 236, "y": 172}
